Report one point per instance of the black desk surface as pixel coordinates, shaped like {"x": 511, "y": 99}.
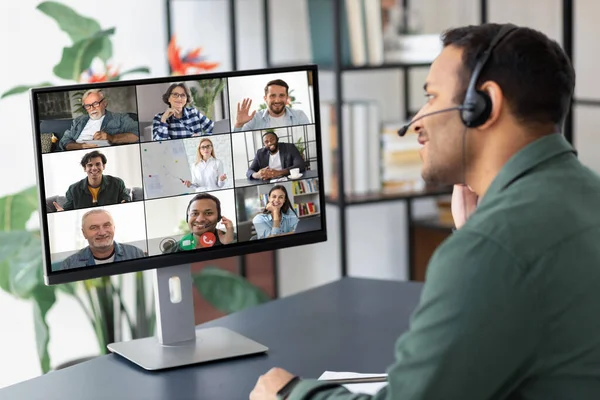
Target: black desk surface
{"x": 348, "y": 325}
{"x": 243, "y": 182}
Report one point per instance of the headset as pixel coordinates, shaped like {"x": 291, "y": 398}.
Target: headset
{"x": 477, "y": 105}
{"x": 202, "y": 196}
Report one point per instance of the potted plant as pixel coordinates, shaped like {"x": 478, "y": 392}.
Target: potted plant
{"x": 101, "y": 299}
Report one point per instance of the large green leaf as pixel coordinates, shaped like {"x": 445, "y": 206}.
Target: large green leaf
{"x": 227, "y": 292}
{"x": 16, "y": 209}
{"x": 76, "y": 26}
{"x": 79, "y": 57}
{"x": 21, "y": 255}
{"x": 22, "y": 88}
{"x": 44, "y": 298}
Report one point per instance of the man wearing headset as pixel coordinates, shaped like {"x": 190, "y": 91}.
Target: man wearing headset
{"x": 510, "y": 308}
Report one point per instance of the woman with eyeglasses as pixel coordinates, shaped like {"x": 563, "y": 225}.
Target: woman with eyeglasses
{"x": 278, "y": 217}
{"x": 180, "y": 120}
{"x": 207, "y": 172}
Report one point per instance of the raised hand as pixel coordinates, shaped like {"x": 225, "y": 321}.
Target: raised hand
{"x": 464, "y": 203}
{"x": 243, "y": 113}
{"x": 57, "y": 206}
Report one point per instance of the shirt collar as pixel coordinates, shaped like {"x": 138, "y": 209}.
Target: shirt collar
{"x": 529, "y": 157}
{"x": 266, "y": 114}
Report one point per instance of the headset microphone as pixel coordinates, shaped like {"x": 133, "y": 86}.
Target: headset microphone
{"x": 402, "y": 131}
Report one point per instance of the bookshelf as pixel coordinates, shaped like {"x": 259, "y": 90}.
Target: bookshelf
{"x": 338, "y": 68}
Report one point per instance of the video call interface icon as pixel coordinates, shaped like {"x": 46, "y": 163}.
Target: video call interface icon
{"x": 160, "y": 173}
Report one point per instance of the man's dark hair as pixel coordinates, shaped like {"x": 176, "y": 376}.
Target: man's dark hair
{"x": 535, "y": 75}
{"x": 204, "y": 196}
{"x": 167, "y": 94}
{"x": 277, "y": 82}
{"x": 92, "y": 154}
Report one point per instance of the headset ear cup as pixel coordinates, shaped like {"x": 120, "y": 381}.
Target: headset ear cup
{"x": 478, "y": 111}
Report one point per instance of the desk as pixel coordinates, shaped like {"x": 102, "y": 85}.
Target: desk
{"x": 348, "y": 325}
{"x": 243, "y": 182}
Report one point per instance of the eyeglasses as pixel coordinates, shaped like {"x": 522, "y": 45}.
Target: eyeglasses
{"x": 94, "y": 104}
{"x": 208, "y": 146}
{"x": 179, "y": 95}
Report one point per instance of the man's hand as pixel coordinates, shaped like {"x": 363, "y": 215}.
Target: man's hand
{"x": 77, "y": 146}
{"x": 464, "y": 203}
{"x": 101, "y": 135}
{"x": 226, "y": 237}
{"x": 57, "y": 206}
{"x": 243, "y": 113}
{"x": 270, "y": 383}
{"x": 187, "y": 183}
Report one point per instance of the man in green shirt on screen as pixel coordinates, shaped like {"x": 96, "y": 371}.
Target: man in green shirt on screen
{"x": 511, "y": 304}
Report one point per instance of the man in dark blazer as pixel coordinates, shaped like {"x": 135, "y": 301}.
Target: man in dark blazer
{"x": 275, "y": 159}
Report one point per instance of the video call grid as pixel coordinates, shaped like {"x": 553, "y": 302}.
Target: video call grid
{"x": 144, "y": 199}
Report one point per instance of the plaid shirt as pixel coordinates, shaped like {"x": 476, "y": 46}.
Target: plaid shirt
{"x": 191, "y": 122}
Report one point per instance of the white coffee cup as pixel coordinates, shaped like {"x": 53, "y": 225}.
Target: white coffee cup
{"x": 294, "y": 171}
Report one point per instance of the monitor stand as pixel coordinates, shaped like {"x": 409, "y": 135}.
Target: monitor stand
{"x": 177, "y": 341}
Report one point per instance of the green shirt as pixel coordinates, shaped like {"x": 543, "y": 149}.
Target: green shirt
{"x": 511, "y": 304}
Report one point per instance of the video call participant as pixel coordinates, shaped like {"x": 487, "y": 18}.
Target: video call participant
{"x": 278, "y": 217}
{"x": 98, "y": 124}
{"x": 202, "y": 216}
{"x": 275, "y": 115}
{"x": 180, "y": 120}
{"x": 207, "y": 173}
{"x": 97, "y": 189}
{"x": 275, "y": 159}
{"x": 510, "y": 306}
{"x": 98, "y": 228}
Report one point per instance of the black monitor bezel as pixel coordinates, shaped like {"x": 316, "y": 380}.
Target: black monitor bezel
{"x": 188, "y": 257}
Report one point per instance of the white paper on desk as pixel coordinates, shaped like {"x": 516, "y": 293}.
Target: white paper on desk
{"x": 367, "y": 388}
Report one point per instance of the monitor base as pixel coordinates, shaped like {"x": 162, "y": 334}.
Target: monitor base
{"x": 211, "y": 344}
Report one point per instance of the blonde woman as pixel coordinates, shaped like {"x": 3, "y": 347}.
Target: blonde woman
{"x": 207, "y": 172}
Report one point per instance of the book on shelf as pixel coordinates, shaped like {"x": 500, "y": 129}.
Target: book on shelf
{"x": 307, "y": 186}
{"x": 361, "y": 137}
{"x": 401, "y": 161}
{"x": 305, "y": 209}
{"x": 371, "y": 34}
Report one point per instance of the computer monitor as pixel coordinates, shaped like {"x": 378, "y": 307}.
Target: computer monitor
{"x": 161, "y": 173}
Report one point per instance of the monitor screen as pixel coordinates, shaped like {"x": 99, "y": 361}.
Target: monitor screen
{"x": 137, "y": 175}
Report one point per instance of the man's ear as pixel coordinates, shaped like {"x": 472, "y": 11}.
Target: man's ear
{"x": 496, "y": 95}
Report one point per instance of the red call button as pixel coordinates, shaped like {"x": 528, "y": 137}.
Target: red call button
{"x": 207, "y": 239}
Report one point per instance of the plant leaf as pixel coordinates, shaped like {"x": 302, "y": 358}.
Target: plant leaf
{"x": 76, "y": 26}
{"x": 20, "y": 268}
{"x": 79, "y": 57}
{"x": 68, "y": 288}
{"x": 106, "y": 53}
{"x": 145, "y": 70}
{"x": 23, "y": 88}
{"x": 16, "y": 209}
{"x": 44, "y": 298}
{"x": 21, "y": 255}
{"x": 226, "y": 291}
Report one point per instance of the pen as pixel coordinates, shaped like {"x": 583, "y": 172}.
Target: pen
{"x": 357, "y": 380}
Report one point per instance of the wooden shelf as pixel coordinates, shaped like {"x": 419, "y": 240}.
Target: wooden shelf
{"x": 383, "y": 196}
